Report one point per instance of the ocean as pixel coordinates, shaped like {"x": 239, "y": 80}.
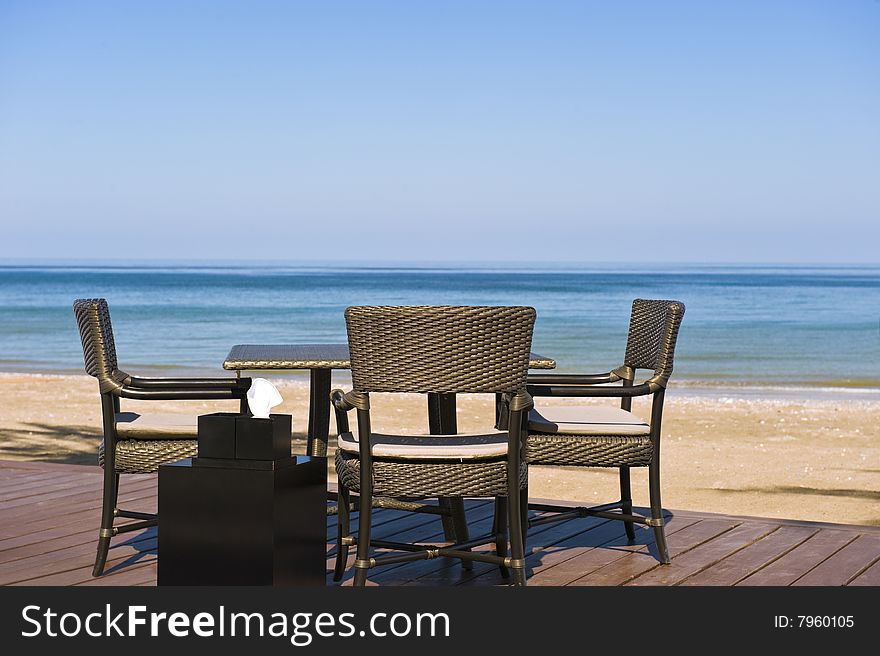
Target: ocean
{"x": 779, "y": 326}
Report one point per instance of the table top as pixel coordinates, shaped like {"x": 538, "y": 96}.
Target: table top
{"x": 313, "y": 356}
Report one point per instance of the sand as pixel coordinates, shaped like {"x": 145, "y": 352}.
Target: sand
{"x": 816, "y": 459}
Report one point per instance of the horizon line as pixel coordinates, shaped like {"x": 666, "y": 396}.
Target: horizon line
{"x": 196, "y": 263}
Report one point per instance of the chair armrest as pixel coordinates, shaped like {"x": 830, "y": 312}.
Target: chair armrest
{"x": 341, "y": 407}
{"x": 573, "y": 379}
{"x": 177, "y": 393}
{"x": 586, "y": 390}
{"x": 506, "y": 403}
{"x": 189, "y": 383}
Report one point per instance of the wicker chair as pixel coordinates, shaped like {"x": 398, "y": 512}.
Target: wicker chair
{"x": 435, "y": 350}
{"x": 137, "y": 443}
{"x": 596, "y": 436}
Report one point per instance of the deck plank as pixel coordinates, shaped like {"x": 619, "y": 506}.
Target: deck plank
{"x": 634, "y": 560}
{"x": 448, "y": 571}
{"x": 84, "y": 491}
{"x": 53, "y": 545}
{"x": 479, "y": 523}
{"x": 49, "y": 517}
{"x": 607, "y": 543}
{"x": 554, "y": 543}
{"x": 424, "y": 532}
{"x": 17, "y": 487}
{"x": 24, "y": 494}
{"x": 738, "y": 566}
{"x": 386, "y": 523}
{"x": 140, "y": 574}
{"x": 800, "y": 560}
{"x": 870, "y": 576}
{"x": 143, "y": 500}
{"x": 16, "y": 520}
{"x": 704, "y": 555}
{"x": 846, "y": 564}
{"x": 76, "y": 567}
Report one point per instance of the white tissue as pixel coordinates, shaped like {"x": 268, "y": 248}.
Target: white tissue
{"x": 262, "y": 397}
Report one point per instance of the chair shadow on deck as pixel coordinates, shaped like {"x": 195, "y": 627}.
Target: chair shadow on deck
{"x": 586, "y": 534}
{"x": 577, "y": 535}
{"x": 145, "y": 546}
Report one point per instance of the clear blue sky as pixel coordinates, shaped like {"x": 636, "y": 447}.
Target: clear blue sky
{"x": 589, "y": 131}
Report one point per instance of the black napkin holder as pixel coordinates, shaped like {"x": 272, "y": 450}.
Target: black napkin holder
{"x": 234, "y": 436}
{"x": 217, "y": 435}
{"x": 262, "y": 439}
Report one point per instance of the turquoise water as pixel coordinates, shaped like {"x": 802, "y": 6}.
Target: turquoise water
{"x": 774, "y": 325}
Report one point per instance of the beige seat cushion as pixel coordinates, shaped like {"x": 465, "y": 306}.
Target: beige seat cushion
{"x": 156, "y": 426}
{"x": 431, "y": 447}
{"x": 586, "y": 420}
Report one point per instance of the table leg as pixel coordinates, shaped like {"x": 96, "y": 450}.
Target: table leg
{"x": 441, "y": 414}
{"x": 319, "y": 411}
{"x": 442, "y": 421}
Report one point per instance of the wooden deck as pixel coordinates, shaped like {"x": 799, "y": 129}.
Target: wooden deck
{"x": 49, "y": 518}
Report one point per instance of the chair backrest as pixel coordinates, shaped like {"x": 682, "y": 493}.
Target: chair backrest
{"x": 653, "y": 331}
{"x": 96, "y": 333}
{"x": 439, "y": 348}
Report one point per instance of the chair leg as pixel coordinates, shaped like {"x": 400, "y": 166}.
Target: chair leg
{"x": 460, "y": 527}
{"x": 517, "y": 556}
{"x": 657, "y": 511}
{"x": 365, "y": 511}
{"x": 108, "y": 513}
{"x": 343, "y": 520}
{"x": 447, "y": 513}
{"x": 499, "y": 529}
{"x": 626, "y": 499}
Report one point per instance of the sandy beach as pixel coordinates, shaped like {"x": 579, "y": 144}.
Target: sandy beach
{"x": 815, "y": 459}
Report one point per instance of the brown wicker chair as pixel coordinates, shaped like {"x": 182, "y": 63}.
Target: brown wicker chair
{"x": 435, "y": 350}
{"x": 595, "y": 436}
{"x": 135, "y": 443}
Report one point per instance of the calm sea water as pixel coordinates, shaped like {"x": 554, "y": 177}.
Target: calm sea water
{"x": 777, "y": 325}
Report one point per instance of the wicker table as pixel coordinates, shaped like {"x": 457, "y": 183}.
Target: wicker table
{"x": 320, "y": 360}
